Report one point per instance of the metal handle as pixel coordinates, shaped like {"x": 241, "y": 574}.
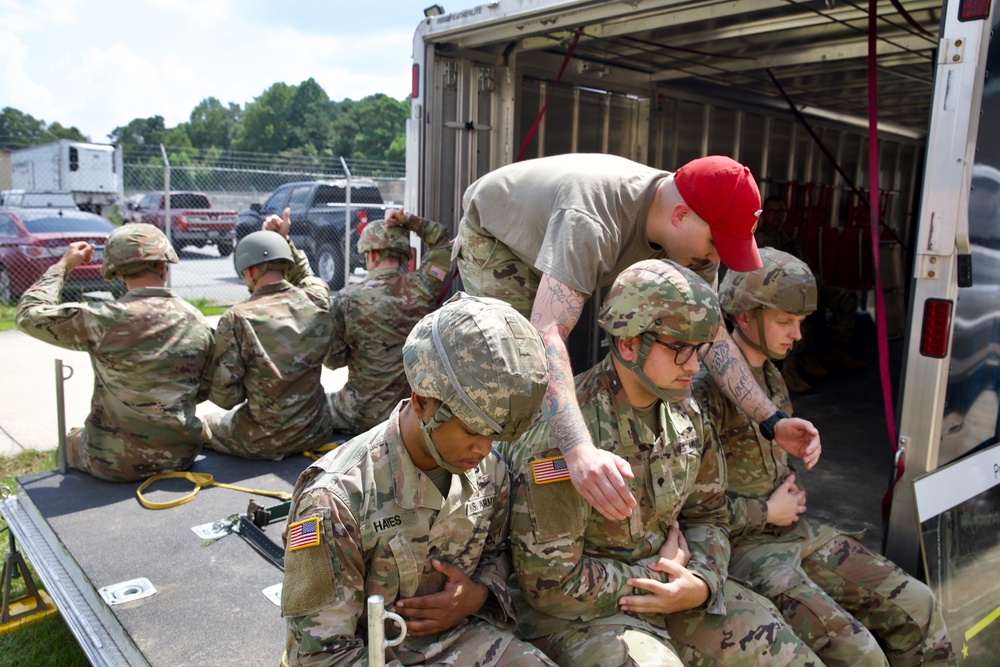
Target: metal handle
{"x": 377, "y": 641}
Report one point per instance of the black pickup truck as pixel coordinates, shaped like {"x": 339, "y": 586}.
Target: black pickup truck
{"x": 318, "y": 215}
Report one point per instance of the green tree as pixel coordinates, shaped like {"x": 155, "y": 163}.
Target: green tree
{"x": 145, "y": 132}
{"x": 212, "y": 125}
{"x": 20, "y": 130}
{"x": 266, "y": 126}
{"x": 379, "y": 120}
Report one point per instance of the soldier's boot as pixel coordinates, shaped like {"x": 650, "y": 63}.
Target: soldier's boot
{"x": 810, "y": 364}
{"x": 795, "y": 383}
{"x": 837, "y": 356}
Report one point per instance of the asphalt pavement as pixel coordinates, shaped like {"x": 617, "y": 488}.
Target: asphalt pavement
{"x": 28, "y": 417}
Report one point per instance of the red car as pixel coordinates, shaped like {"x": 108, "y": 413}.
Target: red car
{"x": 33, "y": 239}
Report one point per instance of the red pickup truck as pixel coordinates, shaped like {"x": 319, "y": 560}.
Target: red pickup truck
{"x": 195, "y": 222}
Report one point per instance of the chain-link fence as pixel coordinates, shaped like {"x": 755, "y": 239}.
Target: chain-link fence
{"x": 217, "y": 198}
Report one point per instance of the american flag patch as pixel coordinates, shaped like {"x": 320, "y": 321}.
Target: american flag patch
{"x": 303, "y": 534}
{"x": 550, "y": 470}
{"x": 437, "y": 272}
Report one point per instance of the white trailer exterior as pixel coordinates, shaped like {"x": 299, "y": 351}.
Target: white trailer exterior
{"x": 92, "y": 172}
{"x": 666, "y": 81}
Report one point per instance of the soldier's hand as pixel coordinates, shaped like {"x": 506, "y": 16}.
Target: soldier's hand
{"x": 431, "y": 614}
{"x": 799, "y": 438}
{"x": 786, "y": 503}
{"x": 77, "y": 253}
{"x": 599, "y": 476}
{"x": 675, "y": 547}
{"x": 395, "y": 217}
{"x": 684, "y": 591}
{"x": 281, "y": 225}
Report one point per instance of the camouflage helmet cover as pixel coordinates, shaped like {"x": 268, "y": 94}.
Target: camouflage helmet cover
{"x": 483, "y": 360}
{"x": 379, "y": 236}
{"x": 783, "y": 283}
{"x": 259, "y": 248}
{"x": 662, "y": 297}
{"x": 134, "y": 244}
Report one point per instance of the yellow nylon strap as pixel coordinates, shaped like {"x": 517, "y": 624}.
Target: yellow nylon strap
{"x": 199, "y": 479}
{"x": 317, "y": 453}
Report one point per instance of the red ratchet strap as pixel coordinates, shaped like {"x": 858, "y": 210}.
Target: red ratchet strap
{"x": 873, "y": 211}
{"x": 541, "y": 112}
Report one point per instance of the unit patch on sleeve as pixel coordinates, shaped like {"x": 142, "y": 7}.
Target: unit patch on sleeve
{"x": 302, "y": 534}
{"x": 550, "y": 470}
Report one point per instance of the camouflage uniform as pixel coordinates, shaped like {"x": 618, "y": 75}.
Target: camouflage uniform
{"x": 828, "y": 586}
{"x": 573, "y": 564}
{"x": 267, "y": 367}
{"x": 370, "y": 323}
{"x": 382, "y": 520}
{"x": 149, "y": 351}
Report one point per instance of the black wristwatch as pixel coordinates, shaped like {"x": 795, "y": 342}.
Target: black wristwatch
{"x": 767, "y": 426}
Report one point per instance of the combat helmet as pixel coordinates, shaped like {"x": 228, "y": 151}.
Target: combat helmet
{"x": 784, "y": 283}
{"x": 483, "y": 360}
{"x": 379, "y": 236}
{"x": 655, "y": 298}
{"x": 133, "y": 248}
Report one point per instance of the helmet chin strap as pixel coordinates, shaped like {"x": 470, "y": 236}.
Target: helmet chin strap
{"x": 442, "y": 415}
{"x": 762, "y": 348}
{"x": 669, "y": 395}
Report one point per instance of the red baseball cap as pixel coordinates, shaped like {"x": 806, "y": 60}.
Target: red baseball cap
{"x": 723, "y": 193}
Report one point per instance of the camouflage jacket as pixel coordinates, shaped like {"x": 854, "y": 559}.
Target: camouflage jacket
{"x": 381, "y": 521}
{"x": 269, "y": 353}
{"x": 572, "y": 564}
{"x": 779, "y": 239}
{"x": 149, "y": 352}
{"x": 754, "y": 466}
{"x": 370, "y": 323}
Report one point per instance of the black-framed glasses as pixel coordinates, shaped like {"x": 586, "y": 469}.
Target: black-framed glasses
{"x": 684, "y": 352}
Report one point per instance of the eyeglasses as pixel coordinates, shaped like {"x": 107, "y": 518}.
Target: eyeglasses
{"x": 683, "y": 353}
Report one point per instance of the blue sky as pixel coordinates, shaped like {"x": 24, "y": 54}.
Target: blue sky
{"x": 97, "y": 65}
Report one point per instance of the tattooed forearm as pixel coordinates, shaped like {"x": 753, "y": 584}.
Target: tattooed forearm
{"x": 561, "y": 409}
{"x": 731, "y": 373}
{"x": 556, "y": 305}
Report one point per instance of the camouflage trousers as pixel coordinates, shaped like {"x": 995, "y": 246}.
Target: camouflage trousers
{"x": 480, "y": 643}
{"x": 836, "y": 594}
{"x": 750, "y": 634}
{"x": 609, "y": 646}
{"x": 121, "y": 462}
{"x": 223, "y": 432}
{"x": 489, "y": 268}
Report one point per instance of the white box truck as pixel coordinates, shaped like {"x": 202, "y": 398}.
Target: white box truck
{"x": 779, "y": 85}
{"x": 92, "y": 172}
{"x": 785, "y": 88}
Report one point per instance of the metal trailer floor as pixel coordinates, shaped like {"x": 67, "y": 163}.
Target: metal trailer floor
{"x": 82, "y": 534}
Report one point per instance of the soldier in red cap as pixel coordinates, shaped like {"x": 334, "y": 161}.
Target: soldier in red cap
{"x": 544, "y": 234}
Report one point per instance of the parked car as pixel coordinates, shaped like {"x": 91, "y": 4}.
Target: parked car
{"x": 37, "y": 199}
{"x": 318, "y": 214}
{"x": 33, "y": 239}
{"x": 194, "y": 221}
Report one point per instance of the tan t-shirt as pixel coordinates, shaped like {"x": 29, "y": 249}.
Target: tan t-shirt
{"x": 580, "y": 218}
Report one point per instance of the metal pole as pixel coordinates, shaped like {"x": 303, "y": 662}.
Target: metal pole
{"x": 347, "y": 223}
{"x": 377, "y": 643}
{"x": 167, "y": 222}
{"x": 61, "y": 413}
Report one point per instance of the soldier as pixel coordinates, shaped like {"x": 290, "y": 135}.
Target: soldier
{"x": 823, "y": 581}
{"x": 269, "y": 353}
{"x": 597, "y": 592}
{"x": 371, "y": 319}
{"x": 149, "y": 351}
{"x": 544, "y": 234}
{"x": 416, "y": 509}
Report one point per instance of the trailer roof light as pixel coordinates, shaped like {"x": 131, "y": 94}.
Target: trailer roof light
{"x": 973, "y": 10}
{"x": 935, "y": 328}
